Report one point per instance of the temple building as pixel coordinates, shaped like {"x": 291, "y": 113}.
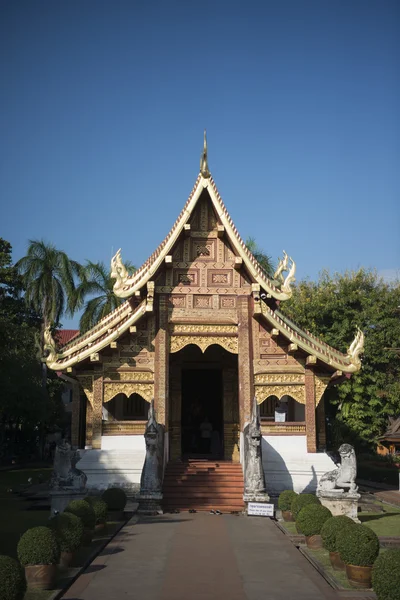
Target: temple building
{"x": 201, "y": 332}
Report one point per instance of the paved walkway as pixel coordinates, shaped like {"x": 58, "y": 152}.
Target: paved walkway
{"x": 200, "y": 557}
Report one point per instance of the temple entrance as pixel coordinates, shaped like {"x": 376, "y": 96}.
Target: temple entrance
{"x": 203, "y": 396}
{"x": 202, "y": 413}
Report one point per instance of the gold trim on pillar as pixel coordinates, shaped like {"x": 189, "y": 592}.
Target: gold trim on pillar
{"x": 321, "y": 383}
{"x": 146, "y": 390}
{"x": 86, "y": 381}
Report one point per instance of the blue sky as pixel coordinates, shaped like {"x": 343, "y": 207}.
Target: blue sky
{"x": 103, "y": 106}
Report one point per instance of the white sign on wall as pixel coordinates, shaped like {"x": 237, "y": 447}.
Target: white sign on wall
{"x": 260, "y": 509}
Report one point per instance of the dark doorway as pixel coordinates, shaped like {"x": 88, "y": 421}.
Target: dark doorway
{"x": 202, "y": 413}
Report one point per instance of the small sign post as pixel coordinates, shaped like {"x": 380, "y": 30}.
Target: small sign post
{"x": 260, "y": 509}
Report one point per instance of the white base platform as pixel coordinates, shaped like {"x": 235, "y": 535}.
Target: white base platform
{"x": 119, "y": 463}
{"x": 288, "y": 465}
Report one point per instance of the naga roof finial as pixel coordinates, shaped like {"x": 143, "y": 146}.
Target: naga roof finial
{"x": 204, "y": 160}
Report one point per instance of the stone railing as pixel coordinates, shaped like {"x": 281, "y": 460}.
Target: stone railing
{"x": 124, "y": 427}
{"x": 283, "y": 428}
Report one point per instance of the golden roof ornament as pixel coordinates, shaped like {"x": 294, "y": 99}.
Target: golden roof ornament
{"x": 118, "y": 271}
{"x": 204, "y": 159}
{"x": 356, "y": 348}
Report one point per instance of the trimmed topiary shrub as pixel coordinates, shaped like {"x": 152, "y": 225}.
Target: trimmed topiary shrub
{"x": 330, "y": 529}
{"x": 12, "y": 579}
{"x": 38, "y": 546}
{"x": 302, "y": 500}
{"x": 285, "y": 499}
{"x": 357, "y": 545}
{"x": 100, "y": 508}
{"x": 69, "y": 531}
{"x": 386, "y": 575}
{"x": 84, "y": 511}
{"x": 311, "y": 519}
{"x": 115, "y": 498}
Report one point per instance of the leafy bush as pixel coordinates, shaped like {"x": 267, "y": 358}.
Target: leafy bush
{"x": 285, "y": 499}
{"x": 386, "y": 575}
{"x": 311, "y": 518}
{"x": 100, "y": 508}
{"x": 381, "y": 474}
{"x": 357, "y": 545}
{"x": 302, "y": 500}
{"x": 84, "y": 511}
{"x": 12, "y": 579}
{"x": 115, "y": 498}
{"x": 69, "y": 531}
{"x": 38, "y": 546}
{"x": 330, "y": 529}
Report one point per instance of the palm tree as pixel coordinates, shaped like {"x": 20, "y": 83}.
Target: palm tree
{"x": 263, "y": 259}
{"x": 49, "y": 279}
{"x": 96, "y": 280}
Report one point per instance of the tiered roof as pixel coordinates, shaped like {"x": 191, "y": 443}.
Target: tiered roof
{"x": 111, "y": 327}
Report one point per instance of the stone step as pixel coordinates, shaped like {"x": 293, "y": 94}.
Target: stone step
{"x": 226, "y": 508}
{"x": 204, "y": 478}
{"x": 222, "y": 495}
{"x": 214, "y": 485}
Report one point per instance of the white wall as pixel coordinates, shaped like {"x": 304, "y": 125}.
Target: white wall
{"x": 118, "y": 463}
{"x": 288, "y": 465}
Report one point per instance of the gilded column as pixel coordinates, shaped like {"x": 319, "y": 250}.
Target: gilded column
{"x": 161, "y": 360}
{"x": 97, "y": 413}
{"x": 246, "y": 379}
{"x": 321, "y": 426}
{"x": 311, "y": 429}
{"x": 75, "y": 415}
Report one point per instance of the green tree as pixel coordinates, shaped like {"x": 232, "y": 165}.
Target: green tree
{"x": 26, "y": 413}
{"x": 263, "y": 259}
{"x": 96, "y": 281}
{"x": 49, "y": 278}
{"x": 331, "y": 308}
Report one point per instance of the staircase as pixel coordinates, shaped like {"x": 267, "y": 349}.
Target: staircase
{"x": 203, "y": 485}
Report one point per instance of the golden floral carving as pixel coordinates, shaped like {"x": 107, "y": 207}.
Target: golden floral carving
{"x": 321, "y": 383}
{"x": 129, "y": 376}
{"x": 271, "y": 378}
{"x": 203, "y": 342}
{"x": 267, "y": 428}
{"x": 86, "y": 382}
{"x": 123, "y": 428}
{"x": 146, "y": 390}
{"x": 295, "y": 391}
{"x": 199, "y": 329}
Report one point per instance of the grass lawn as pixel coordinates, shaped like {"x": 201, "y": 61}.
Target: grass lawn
{"x": 322, "y": 556}
{"x": 290, "y": 527}
{"x": 385, "y": 523}
{"x": 15, "y": 516}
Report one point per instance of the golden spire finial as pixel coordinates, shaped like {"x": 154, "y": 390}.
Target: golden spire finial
{"x": 203, "y": 160}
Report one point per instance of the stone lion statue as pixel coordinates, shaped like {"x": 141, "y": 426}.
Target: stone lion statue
{"x": 344, "y": 477}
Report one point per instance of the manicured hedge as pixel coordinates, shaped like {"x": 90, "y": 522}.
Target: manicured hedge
{"x": 12, "y": 579}
{"x": 115, "y": 498}
{"x": 330, "y": 529}
{"x": 285, "y": 499}
{"x": 84, "y": 511}
{"x": 357, "y": 545}
{"x": 383, "y": 474}
{"x": 38, "y": 546}
{"x": 386, "y": 575}
{"x": 302, "y": 500}
{"x": 100, "y": 508}
{"x": 311, "y": 519}
{"x": 69, "y": 531}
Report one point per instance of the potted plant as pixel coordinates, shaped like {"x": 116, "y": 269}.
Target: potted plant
{"x": 302, "y": 500}
{"x": 358, "y": 547}
{"x": 386, "y": 575}
{"x": 285, "y": 504}
{"x": 38, "y": 551}
{"x": 309, "y": 522}
{"x": 84, "y": 511}
{"x": 69, "y": 531}
{"x": 115, "y": 498}
{"x": 328, "y": 534}
{"x": 12, "y": 579}
{"x": 100, "y": 510}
